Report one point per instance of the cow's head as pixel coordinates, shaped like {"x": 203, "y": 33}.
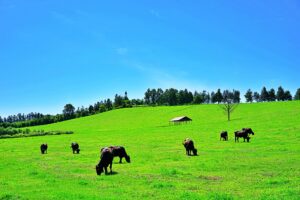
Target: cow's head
{"x": 127, "y": 158}
{"x": 99, "y": 169}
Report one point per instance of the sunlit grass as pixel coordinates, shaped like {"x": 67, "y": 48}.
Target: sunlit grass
{"x": 265, "y": 168}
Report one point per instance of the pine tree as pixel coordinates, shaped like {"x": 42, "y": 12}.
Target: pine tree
{"x": 280, "y": 94}
{"x": 213, "y": 97}
{"x": 287, "y": 96}
{"x": 256, "y": 97}
{"x": 236, "y": 96}
{"x": 297, "y": 95}
{"x": 249, "y": 96}
{"x": 272, "y": 96}
{"x": 218, "y": 96}
{"x": 108, "y": 104}
{"x": 198, "y": 99}
{"x": 264, "y": 95}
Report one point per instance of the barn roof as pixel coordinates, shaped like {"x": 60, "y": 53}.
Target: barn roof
{"x": 181, "y": 119}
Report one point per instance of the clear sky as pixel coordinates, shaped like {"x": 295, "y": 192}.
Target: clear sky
{"x": 54, "y": 52}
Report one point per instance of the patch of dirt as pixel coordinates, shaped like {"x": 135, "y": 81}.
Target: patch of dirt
{"x": 268, "y": 174}
{"x": 211, "y": 178}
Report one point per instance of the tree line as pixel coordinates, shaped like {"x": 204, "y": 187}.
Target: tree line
{"x": 271, "y": 95}
{"x": 152, "y": 97}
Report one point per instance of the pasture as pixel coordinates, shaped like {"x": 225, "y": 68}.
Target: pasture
{"x": 266, "y": 168}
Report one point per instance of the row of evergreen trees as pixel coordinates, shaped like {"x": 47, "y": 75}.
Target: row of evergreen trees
{"x": 271, "y": 95}
{"x": 152, "y": 97}
{"x": 181, "y": 97}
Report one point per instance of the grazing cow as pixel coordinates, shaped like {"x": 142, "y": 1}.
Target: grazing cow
{"x": 189, "y": 146}
{"x": 224, "y": 135}
{"x": 119, "y": 151}
{"x": 75, "y": 147}
{"x": 44, "y": 148}
{"x": 105, "y": 160}
{"x": 244, "y": 133}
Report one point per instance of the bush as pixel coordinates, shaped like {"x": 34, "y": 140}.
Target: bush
{"x": 14, "y": 133}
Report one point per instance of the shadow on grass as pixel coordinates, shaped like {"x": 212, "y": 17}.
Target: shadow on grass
{"x": 236, "y": 119}
{"x": 111, "y": 174}
{"x": 108, "y": 174}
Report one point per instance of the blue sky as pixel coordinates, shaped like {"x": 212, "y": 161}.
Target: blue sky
{"x": 79, "y": 52}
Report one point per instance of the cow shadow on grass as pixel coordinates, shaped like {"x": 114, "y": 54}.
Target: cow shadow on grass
{"x": 112, "y": 173}
{"x": 236, "y": 119}
{"x": 108, "y": 174}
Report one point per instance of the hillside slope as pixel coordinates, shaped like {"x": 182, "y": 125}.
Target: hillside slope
{"x": 267, "y": 167}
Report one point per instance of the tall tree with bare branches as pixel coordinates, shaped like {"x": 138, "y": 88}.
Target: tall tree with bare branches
{"x": 229, "y": 106}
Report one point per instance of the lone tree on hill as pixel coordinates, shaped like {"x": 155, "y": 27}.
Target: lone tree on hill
{"x": 229, "y": 106}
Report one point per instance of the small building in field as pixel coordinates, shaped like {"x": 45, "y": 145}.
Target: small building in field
{"x": 180, "y": 120}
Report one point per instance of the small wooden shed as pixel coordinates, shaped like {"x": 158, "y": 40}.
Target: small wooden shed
{"x": 180, "y": 120}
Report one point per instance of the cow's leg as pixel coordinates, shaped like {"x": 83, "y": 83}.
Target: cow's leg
{"x": 226, "y": 138}
{"x": 120, "y": 159}
{"x": 105, "y": 168}
{"x": 110, "y": 167}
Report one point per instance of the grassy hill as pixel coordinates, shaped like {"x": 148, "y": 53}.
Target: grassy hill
{"x": 266, "y": 168}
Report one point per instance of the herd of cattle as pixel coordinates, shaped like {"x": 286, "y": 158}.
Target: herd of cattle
{"x": 108, "y": 153}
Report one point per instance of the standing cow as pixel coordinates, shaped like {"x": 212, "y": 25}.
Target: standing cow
{"x": 106, "y": 159}
{"x": 224, "y": 135}
{"x": 244, "y": 133}
{"x": 189, "y": 147}
{"x": 75, "y": 147}
{"x": 44, "y": 148}
{"x": 119, "y": 151}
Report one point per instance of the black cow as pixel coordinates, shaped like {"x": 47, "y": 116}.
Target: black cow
{"x": 244, "y": 133}
{"x": 75, "y": 147}
{"x": 189, "y": 146}
{"x": 44, "y": 148}
{"x": 105, "y": 161}
{"x": 119, "y": 151}
{"x": 224, "y": 135}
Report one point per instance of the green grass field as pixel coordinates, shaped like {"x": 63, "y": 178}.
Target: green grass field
{"x": 266, "y": 168}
